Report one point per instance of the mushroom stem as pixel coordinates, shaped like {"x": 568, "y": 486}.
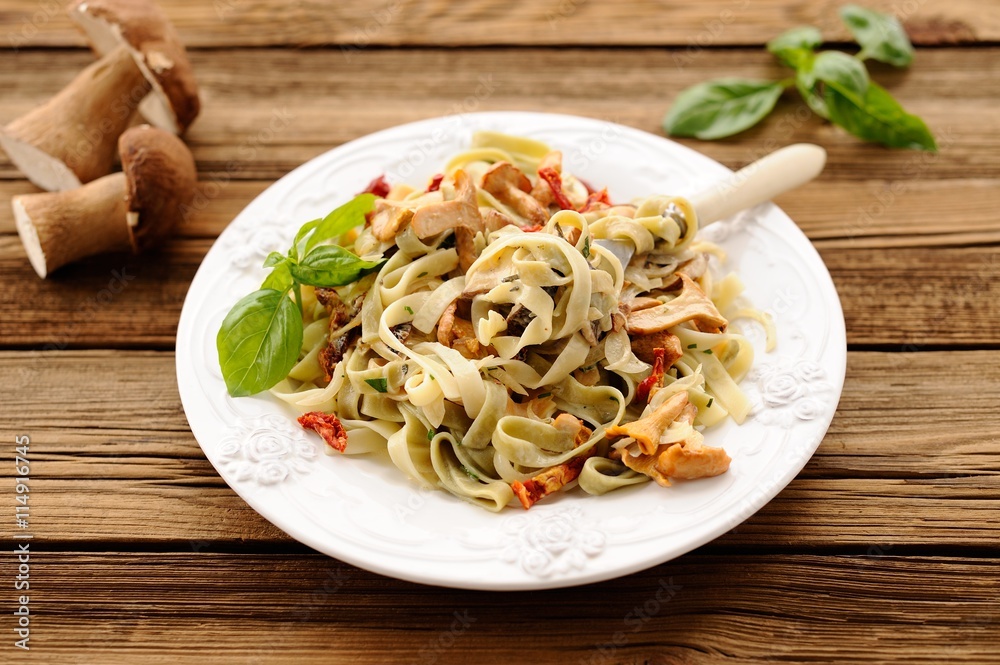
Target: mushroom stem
{"x": 73, "y": 138}
{"x": 62, "y": 227}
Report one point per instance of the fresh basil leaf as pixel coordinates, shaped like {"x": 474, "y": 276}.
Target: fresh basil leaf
{"x": 340, "y": 221}
{"x": 293, "y": 251}
{"x": 381, "y": 385}
{"x": 829, "y": 67}
{"x": 273, "y": 259}
{"x": 720, "y": 108}
{"x": 834, "y": 67}
{"x": 331, "y": 265}
{"x": 805, "y": 83}
{"x": 279, "y": 279}
{"x": 813, "y": 98}
{"x": 792, "y": 45}
{"x": 878, "y": 117}
{"x": 881, "y": 36}
{"x": 259, "y": 342}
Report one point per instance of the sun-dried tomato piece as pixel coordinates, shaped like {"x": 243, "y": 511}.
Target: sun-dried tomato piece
{"x": 554, "y": 180}
{"x": 655, "y": 379}
{"x": 327, "y": 426}
{"x": 435, "y": 183}
{"x": 548, "y": 481}
{"x": 534, "y": 228}
{"x": 378, "y": 187}
{"x": 593, "y": 198}
{"x": 590, "y": 189}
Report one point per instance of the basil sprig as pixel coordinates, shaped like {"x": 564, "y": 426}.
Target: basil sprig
{"x": 881, "y": 36}
{"x": 260, "y": 338}
{"x": 722, "y": 107}
{"x": 835, "y": 85}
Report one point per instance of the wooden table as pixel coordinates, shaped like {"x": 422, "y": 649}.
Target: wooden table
{"x": 884, "y": 549}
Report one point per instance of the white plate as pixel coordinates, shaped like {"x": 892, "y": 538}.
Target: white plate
{"x": 363, "y": 511}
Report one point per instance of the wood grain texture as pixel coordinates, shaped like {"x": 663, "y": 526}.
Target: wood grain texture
{"x": 906, "y": 298}
{"x": 868, "y": 200}
{"x": 699, "y": 609}
{"x": 884, "y": 549}
{"x": 268, "y": 111}
{"x": 874, "y": 213}
{"x": 357, "y": 25}
{"x": 912, "y": 457}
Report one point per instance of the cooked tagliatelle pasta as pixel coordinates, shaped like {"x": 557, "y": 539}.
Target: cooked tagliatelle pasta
{"x": 501, "y": 354}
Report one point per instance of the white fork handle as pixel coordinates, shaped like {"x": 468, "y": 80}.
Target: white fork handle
{"x": 777, "y": 173}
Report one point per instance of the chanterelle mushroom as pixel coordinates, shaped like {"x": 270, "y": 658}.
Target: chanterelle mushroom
{"x": 462, "y": 211}
{"x": 690, "y": 305}
{"x": 71, "y": 139}
{"x": 688, "y": 459}
{"x": 132, "y": 209}
{"x": 646, "y": 431}
{"x": 512, "y": 188}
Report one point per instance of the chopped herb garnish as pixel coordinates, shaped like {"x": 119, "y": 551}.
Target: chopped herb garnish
{"x": 432, "y": 378}
{"x": 711, "y": 400}
{"x": 586, "y": 247}
{"x": 692, "y": 346}
{"x": 544, "y": 395}
{"x": 423, "y": 274}
{"x": 614, "y": 399}
{"x": 511, "y": 278}
{"x": 409, "y": 310}
{"x": 430, "y": 434}
{"x": 469, "y": 472}
{"x": 708, "y": 351}
{"x": 381, "y": 385}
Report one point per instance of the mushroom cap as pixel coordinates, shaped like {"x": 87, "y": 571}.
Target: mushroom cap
{"x": 158, "y": 52}
{"x": 160, "y": 182}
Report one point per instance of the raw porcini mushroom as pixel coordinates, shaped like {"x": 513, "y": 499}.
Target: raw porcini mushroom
{"x": 72, "y": 138}
{"x": 142, "y": 28}
{"x": 130, "y": 210}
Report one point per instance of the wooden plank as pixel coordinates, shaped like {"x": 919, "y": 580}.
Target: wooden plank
{"x": 906, "y": 296}
{"x": 912, "y": 457}
{"x": 938, "y": 296}
{"x": 113, "y": 300}
{"x": 876, "y": 213}
{"x": 696, "y": 610}
{"x": 315, "y": 100}
{"x": 356, "y": 25}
